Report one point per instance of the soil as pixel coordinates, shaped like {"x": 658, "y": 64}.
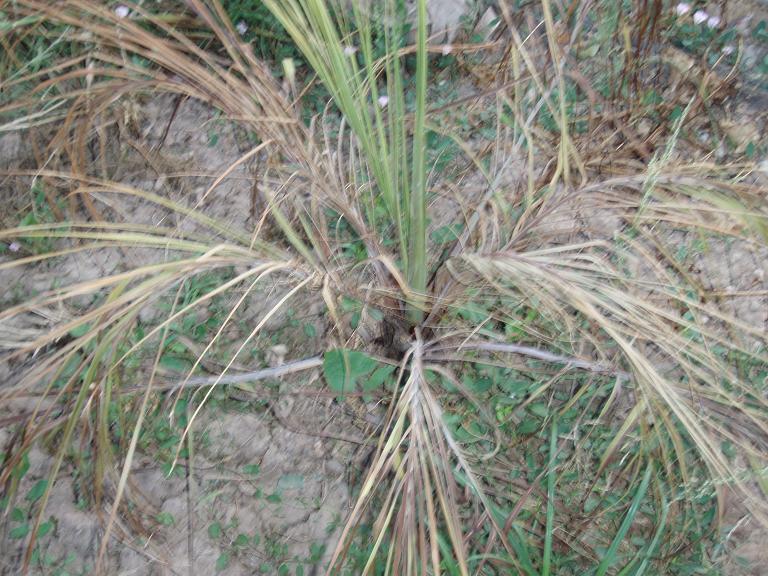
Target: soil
{"x": 292, "y": 509}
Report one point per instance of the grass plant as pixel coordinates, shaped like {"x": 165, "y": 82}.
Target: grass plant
{"x": 560, "y": 388}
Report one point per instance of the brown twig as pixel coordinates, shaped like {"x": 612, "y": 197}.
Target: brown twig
{"x": 538, "y": 354}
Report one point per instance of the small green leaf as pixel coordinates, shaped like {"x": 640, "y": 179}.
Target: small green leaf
{"x": 376, "y": 379}
{"x": 222, "y": 562}
{"x": 80, "y": 330}
{"x": 538, "y": 409}
{"x": 290, "y": 482}
{"x": 514, "y": 388}
{"x": 590, "y": 504}
{"x": 165, "y": 518}
{"x": 446, "y": 234}
{"x": 214, "y": 530}
{"x": 478, "y": 385}
{"x": 316, "y": 551}
{"x": 473, "y": 312}
{"x": 274, "y": 498}
{"x": 174, "y": 363}
{"x": 528, "y": 426}
{"x": 760, "y": 31}
{"x": 21, "y": 468}
{"x": 180, "y": 411}
{"x": 728, "y": 450}
{"x": 252, "y": 469}
{"x": 45, "y": 527}
{"x": 37, "y": 491}
{"x": 19, "y": 532}
{"x": 242, "y": 540}
{"x": 350, "y": 304}
{"x": 342, "y": 368}
{"x": 17, "y": 515}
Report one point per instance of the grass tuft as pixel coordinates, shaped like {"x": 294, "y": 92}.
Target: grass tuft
{"x": 570, "y": 395}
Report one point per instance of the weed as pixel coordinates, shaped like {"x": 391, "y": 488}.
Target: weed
{"x": 256, "y": 25}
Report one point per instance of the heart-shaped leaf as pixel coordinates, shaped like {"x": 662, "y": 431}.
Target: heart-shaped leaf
{"x": 343, "y": 368}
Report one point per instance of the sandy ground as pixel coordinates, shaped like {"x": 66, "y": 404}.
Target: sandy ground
{"x": 268, "y": 485}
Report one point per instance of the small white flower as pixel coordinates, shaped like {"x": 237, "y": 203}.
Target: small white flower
{"x": 14, "y": 246}
{"x": 383, "y": 101}
{"x": 122, "y": 11}
{"x": 683, "y": 8}
{"x": 713, "y": 21}
{"x": 349, "y": 50}
{"x": 241, "y": 28}
{"x": 700, "y": 17}
{"x": 447, "y": 48}
{"x": 728, "y": 50}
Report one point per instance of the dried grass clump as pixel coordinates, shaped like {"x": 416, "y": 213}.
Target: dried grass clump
{"x": 567, "y": 260}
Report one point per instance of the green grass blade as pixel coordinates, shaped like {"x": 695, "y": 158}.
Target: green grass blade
{"x": 610, "y": 556}
{"x": 546, "y": 564}
{"x": 656, "y": 537}
{"x": 447, "y": 552}
{"x": 417, "y": 219}
{"x": 521, "y": 545}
